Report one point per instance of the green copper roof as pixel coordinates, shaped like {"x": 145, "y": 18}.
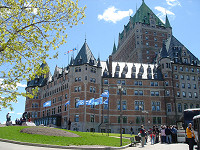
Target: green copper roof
{"x": 167, "y": 24}
{"x": 142, "y": 15}
{"x": 114, "y": 49}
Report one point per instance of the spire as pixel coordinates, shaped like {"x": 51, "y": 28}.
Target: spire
{"x": 167, "y": 24}
{"x": 114, "y": 49}
{"x": 98, "y": 62}
{"x": 164, "y": 53}
{"x": 142, "y": 1}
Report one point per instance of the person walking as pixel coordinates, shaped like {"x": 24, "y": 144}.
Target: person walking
{"x": 131, "y": 131}
{"x": 142, "y": 133}
{"x": 190, "y": 136}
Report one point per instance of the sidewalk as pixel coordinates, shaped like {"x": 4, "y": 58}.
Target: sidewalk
{"x": 158, "y": 146}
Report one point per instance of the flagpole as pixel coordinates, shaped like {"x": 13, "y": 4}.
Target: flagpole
{"x": 108, "y": 111}
{"x": 85, "y": 109}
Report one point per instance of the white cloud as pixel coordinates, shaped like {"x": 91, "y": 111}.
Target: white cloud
{"x": 173, "y": 3}
{"x": 21, "y": 85}
{"x": 19, "y": 113}
{"x": 6, "y": 85}
{"x": 112, "y": 14}
{"x": 163, "y": 13}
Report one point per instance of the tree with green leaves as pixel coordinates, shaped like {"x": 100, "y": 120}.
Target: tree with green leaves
{"x": 29, "y": 30}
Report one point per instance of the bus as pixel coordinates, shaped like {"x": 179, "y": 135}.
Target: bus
{"x": 182, "y": 124}
{"x": 196, "y": 121}
{"x": 188, "y": 116}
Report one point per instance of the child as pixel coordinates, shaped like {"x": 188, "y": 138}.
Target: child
{"x": 152, "y": 135}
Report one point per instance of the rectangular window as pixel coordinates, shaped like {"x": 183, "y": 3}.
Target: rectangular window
{"x": 190, "y": 95}
{"x": 139, "y": 105}
{"x": 184, "y": 94}
{"x": 136, "y": 92}
{"x": 136, "y": 82}
{"x": 76, "y": 118}
{"x": 195, "y": 95}
{"x": 140, "y": 82}
{"x": 152, "y": 83}
{"x": 182, "y": 77}
{"x": 189, "y": 86}
{"x": 188, "y": 77}
{"x": 156, "y": 93}
{"x": 193, "y": 78}
{"x": 118, "y": 105}
{"x": 167, "y": 93}
{"x": 105, "y": 106}
{"x": 175, "y": 67}
{"x": 152, "y": 93}
{"x": 194, "y": 86}
{"x": 140, "y": 92}
{"x": 75, "y": 89}
{"x": 124, "y": 106}
{"x": 91, "y": 118}
{"x": 124, "y": 119}
{"x": 105, "y": 81}
{"x": 183, "y": 85}
{"x": 169, "y": 108}
{"x": 156, "y": 83}
{"x": 105, "y": 119}
{"x": 155, "y": 106}
{"x": 179, "y": 107}
{"x": 178, "y": 94}
{"x": 123, "y": 82}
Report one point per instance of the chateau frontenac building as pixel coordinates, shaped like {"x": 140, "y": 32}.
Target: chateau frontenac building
{"x": 158, "y": 75}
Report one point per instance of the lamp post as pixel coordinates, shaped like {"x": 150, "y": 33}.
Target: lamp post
{"x": 146, "y": 112}
{"x": 120, "y": 93}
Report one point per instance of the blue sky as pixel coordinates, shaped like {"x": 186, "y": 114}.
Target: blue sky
{"x": 106, "y": 18}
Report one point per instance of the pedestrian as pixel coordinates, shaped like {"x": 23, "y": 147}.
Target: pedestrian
{"x": 157, "y": 135}
{"x": 152, "y": 135}
{"x": 69, "y": 124}
{"x": 142, "y": 133}
{"x": 190, "y": 136}
{"x": 163, "y": 135}
{"x": 174, "y": 134}
{"x": 131, "y": 131}
{"x": 168, "y": 135}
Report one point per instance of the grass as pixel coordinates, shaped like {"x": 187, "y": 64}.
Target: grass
{"x": 87, "y": 138}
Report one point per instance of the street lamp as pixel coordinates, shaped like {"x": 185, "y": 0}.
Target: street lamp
{"x": 146, "y": 112}
{"x": 120, "y": 93}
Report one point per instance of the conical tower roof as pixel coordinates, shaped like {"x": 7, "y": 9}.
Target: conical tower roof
{"x": 114, "y": 49}
{"x": 167, "y": 24}
{"x": 86, "y": 55}
{"x": 164, "y": 53}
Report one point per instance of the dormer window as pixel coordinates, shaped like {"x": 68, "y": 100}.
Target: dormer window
{"x": 117, "y": 68}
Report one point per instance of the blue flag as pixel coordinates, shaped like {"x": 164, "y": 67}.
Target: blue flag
{"x": 47, "y": 104}
{"x": 90, "y": 102}
{"x": 106, "y": 101}
{"x": 105, "y": 94}
{"x": 67, "y": 103}
{"x": 98, "y": 101}
{"x": 81, "y": 102}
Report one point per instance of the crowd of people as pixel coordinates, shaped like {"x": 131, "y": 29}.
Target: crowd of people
{"x": 164, "y": 134}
